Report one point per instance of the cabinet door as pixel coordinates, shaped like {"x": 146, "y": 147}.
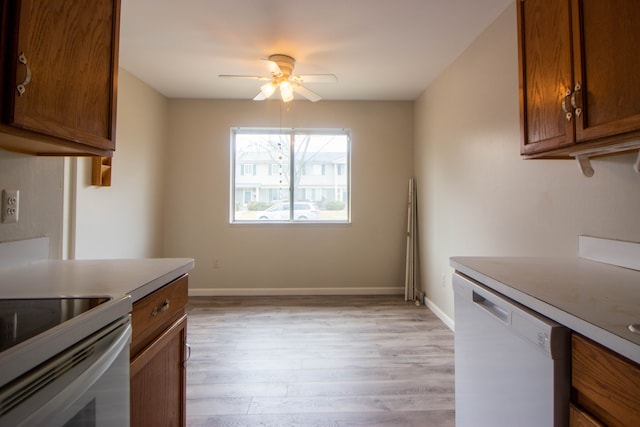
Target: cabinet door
{"x": 158, "y": 380}
{"x": 607, "y": 62}
{"x": 546, "y": 74}
{"x": 64, "y": 54}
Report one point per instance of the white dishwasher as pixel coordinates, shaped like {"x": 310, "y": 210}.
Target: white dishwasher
{"x": 511, "y": 364}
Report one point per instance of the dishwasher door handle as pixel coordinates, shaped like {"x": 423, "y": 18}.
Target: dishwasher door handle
{"x": 497, "y": 307}
{"x": 491, "y": 307}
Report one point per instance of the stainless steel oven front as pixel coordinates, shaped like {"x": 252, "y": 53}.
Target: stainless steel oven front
{"x": 85, "y": 385}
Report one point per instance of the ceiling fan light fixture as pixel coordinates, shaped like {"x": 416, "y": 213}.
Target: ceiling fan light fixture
{"x": 268, "y": 89}
{"x": 281, "y": 67}
{"x": 286, "y": 91}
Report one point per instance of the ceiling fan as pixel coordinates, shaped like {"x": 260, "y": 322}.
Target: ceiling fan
{"x": 281, "y": 67}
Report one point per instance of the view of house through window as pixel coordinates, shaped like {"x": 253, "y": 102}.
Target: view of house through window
{"x": 290, "y": 175}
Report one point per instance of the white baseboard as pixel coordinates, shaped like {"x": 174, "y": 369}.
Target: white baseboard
{"x": 218, "y": 292}
{"x": 440, "y": 314}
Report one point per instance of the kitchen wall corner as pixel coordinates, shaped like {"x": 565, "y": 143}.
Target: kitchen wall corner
{"x": 40, "y": 181}
{"x": 126, "y": 219}
{"x": 478, "y": 197}
{"x": 81, "y": 221}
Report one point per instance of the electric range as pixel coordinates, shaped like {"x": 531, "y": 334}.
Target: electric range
{"x": 64, "y": 361}
{"x": 32, "y": 330}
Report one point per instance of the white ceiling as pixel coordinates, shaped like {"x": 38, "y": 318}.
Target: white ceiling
{"x": 378, "y": 49}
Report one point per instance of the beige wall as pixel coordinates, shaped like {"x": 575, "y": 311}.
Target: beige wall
{"x": 366, "y": 256}
{"x": 478, "y": 197}
{"x": 126, "y": 219}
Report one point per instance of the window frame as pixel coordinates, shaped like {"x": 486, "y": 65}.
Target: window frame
{"x": 292, "y": 190}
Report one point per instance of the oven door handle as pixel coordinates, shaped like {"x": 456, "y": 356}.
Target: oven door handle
{"x": 94, "y": 372}
{"x": 80, "y": 385}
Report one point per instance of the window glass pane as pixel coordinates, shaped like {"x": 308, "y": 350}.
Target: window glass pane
{"x": 318, "y": 180}
{"x": 263, "y": 164}
{"x": 261, "y": 178}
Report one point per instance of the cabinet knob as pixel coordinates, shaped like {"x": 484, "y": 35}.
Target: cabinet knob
{"x": 21, "y": 87}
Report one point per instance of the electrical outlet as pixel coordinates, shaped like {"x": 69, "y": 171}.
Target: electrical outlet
{"x": 216, "y": 263}
{"x": 10, "y": 206}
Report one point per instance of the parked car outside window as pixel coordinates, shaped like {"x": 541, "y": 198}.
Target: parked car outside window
{"x": 301, "y": 211}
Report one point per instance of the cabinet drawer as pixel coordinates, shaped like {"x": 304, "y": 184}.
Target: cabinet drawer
{"x": 604, "y": 383}
{"x": 157, "y": 311}
{"x": 579, "y": 418}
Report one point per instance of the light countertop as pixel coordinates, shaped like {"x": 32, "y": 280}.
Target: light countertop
{"x": 111, "y": 278}
{"x": 595, "y": 299}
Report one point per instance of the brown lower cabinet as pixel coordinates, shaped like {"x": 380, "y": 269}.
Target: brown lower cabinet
{"x": 158, "y": 356}
{"x": 605, "y": 387}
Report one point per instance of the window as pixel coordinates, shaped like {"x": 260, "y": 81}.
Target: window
{"x": 248, "y": 169}
{"x": 291, "y": 175}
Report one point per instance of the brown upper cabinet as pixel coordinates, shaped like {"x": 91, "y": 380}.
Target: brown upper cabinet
{"x": 58, "y": 76}
{"x": 579, "y": 87}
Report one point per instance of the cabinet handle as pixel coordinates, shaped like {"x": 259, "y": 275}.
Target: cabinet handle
{"x": 21, "y": 87}
{"x": 160, "y": 309}
{"x": 566, "y": 106}
{"x": 188, "y": 348}
{"x": 576, "y": 99}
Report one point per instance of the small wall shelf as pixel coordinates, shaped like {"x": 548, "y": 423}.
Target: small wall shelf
{"x": 101, "y": 171}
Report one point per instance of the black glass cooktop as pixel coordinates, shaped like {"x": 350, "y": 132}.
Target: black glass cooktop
{"x": 21, "y": 319}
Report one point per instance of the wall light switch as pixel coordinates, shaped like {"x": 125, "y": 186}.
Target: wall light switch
{"x": 10, "y": 206}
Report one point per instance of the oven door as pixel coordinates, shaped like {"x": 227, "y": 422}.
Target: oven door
{"x": 86, "y": 385}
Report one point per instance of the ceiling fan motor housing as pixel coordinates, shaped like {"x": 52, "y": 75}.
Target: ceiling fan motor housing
{"x": 285, "y": 62}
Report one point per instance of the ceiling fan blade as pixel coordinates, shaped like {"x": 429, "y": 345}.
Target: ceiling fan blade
{"x": 236, "y": 76}
{"x": 316, "y": 78}
{"x": 274, "y": 68}
{"x": 311, "y": 96}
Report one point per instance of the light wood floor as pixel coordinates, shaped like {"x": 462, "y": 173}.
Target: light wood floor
{"x": 318, "y": 361}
